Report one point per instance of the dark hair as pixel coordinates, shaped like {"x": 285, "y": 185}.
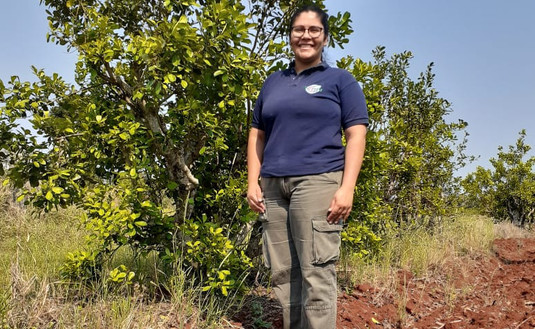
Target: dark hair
{"x": 324, "y": 17}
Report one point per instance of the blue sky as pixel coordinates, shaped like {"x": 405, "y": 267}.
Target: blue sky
{"x": 484, "y": 55}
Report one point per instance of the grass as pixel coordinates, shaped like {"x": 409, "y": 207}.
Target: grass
{"x": 32, "y": 295}
{"x": 37, "y": 298}
{"x": 506, "y": 230}
{"x": 420, "y": 250}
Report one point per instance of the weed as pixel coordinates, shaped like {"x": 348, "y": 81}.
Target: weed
{"x": 419, "y": 250}
{"x": 4, "y": 307}
{"x": 257, "y": 312}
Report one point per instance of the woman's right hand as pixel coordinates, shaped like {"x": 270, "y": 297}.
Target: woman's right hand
{"x": 254, "y": 198}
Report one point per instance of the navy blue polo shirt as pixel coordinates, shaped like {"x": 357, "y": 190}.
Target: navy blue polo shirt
{"x": 303, "y": 115}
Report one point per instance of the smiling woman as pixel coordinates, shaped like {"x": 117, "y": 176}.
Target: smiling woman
{"x": 307, "y": 39}
{"x": 307, "y": 177}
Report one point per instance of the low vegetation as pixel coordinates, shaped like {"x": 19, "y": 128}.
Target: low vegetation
{"x": 34, "y": 294}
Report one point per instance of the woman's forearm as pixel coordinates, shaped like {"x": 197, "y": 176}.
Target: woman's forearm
{"x": 342, "y": 201}
{"x": 255, "y": 152}
{"x": 354, "y": 155}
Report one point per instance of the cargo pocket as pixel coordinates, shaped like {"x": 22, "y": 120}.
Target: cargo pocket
{"x": 326, "y": 241}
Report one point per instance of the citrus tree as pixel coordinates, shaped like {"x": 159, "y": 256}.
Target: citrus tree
{"x": 413, "y": 149}
{"x": 507, "y": 190}
{"x": 149, "y": 140}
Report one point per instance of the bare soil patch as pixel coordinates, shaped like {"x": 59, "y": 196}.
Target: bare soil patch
{"x": 474, "y": 291}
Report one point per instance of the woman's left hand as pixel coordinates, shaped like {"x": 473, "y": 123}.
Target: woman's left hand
{"x": 340, "y": 206}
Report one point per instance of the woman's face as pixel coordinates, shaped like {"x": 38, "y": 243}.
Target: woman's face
{"x": 307, "y": 49}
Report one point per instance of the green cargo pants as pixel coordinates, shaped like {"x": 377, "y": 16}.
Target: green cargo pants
{"x": 301, "y": 248}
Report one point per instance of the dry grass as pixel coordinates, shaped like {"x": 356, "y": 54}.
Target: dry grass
{"x": 507, "y": 230}
{"x": 32, "y": 295}
{"x": 48, "y": 304}
{"x": 40, "y": 303}
{"x": 423, "y": 253}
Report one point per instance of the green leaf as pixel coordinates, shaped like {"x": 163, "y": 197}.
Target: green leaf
{"x": 137, "y": 95}
{"x": 170, "y": 78}
{"x": 49, "y": 196}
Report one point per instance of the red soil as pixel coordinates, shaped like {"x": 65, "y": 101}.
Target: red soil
{"x": 496, "y": 291}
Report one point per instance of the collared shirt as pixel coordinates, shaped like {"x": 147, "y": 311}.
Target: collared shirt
{"x": 303, "y": 115}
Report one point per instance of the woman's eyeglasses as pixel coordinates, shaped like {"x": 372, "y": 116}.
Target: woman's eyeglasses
{"x": 313, "y": 31}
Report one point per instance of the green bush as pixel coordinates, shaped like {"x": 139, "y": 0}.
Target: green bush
{"x": 507, "y": 191}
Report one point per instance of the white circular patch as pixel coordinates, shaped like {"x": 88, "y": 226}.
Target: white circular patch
{"x": 313, "y": 89}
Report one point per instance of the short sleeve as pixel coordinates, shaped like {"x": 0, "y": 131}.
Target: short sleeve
{"x": 257, "y": 112}
{"x": 352, "y": 102}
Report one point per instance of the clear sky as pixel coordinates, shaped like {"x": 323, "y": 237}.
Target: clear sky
{"x": 483, "y": 50}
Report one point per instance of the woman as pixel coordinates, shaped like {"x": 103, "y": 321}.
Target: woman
{"x": 307, "y": 178}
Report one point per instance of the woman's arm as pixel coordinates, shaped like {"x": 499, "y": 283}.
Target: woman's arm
{"x": 255, "y": 152}
{"x": 343, "y": 198}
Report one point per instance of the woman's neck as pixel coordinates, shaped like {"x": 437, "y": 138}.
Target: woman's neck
{"x": 300, "y": 66}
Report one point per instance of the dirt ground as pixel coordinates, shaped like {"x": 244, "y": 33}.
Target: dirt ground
{"x": 496, "y": 291}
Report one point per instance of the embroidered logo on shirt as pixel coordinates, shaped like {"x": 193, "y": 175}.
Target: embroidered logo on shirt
{"x": 313, "y": 89}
